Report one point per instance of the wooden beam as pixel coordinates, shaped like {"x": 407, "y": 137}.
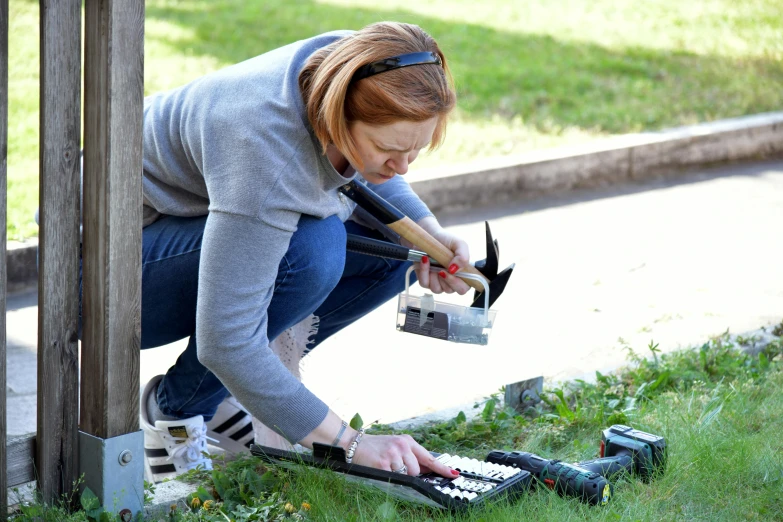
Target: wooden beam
{"x": 114, "y": 98}
{"x": 21, "y": 460}
{"x": 58, "y": 279}
{"x": 3, "y": 225}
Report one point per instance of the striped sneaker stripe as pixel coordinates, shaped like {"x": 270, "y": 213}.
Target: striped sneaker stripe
{"x": 165, "y": 468}
{"x": 242, "y": 432}
{"x": 156, "y": 452}
{"x": 238, "y": 416}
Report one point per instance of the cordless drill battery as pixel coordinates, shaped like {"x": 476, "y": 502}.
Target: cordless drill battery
{"x": 647, "y": 451}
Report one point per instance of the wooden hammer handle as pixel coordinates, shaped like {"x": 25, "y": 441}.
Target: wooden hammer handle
{"x": 409, "y": 230}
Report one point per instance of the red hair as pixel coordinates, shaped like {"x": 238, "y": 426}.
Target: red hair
{"x": 416, "y": 93}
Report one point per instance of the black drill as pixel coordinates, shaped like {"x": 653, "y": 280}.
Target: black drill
{"x": 567, "y": 479}
{"x": 626, "y": 449}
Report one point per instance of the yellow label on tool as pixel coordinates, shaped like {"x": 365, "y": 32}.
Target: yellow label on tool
{"x": 607, "y": 494}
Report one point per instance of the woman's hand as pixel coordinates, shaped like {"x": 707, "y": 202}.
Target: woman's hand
{"x": 386, "y": 452}
{"x": 443, "y": 280}
{"x": 399, "y": 452}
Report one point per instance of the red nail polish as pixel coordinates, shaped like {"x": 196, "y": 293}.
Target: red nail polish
{"x": 442, "y": 274}
{"x": 454, "y": 472}
{"x": 453, "y": 268}
{"x": 425, "y": 259}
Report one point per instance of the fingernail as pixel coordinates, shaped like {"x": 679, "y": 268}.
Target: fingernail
{"x": 453, "y": 268}
{"x": 442, "y": 274}
{"x": 454, "y": 472}
{"x": 425, "y": 259}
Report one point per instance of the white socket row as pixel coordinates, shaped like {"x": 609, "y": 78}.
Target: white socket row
{"x": 485, "y": 469}
{"x": 471, "y": 485}
{"x": 457, "y": 494}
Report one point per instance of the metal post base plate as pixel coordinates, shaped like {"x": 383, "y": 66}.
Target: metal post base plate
{"x": 524, "y": 394}
{"x": 114, "y": 470}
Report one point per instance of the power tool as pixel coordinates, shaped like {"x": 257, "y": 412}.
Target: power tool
{"x": 626, "y": 449}
{"x": 569, "y": 480}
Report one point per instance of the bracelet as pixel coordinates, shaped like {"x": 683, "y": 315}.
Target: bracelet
{"x": 352, "y": 448}
{"x": 340, "y": 434}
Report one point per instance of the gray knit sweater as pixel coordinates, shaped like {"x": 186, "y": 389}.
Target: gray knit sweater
{"x": 236, "y": 145}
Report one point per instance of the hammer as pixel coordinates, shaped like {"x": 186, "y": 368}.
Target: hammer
{"x": 390, "y": 216}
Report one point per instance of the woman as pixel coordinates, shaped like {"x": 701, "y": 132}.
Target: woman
{"x": 244, "y": 231}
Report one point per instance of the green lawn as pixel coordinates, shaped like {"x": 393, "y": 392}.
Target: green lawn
{"x": 529, "y": 74}
{"x": 719, "y": 409}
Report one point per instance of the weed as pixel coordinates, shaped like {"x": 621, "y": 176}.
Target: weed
{"x": 717, "y": 406}
{"x": 778, "y": 330}
{"x": 242, "y": 489}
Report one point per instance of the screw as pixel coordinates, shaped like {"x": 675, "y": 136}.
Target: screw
{"x": 125, "y": 457}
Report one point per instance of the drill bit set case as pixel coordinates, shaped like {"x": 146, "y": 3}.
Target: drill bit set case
{"x": 423, "y": 315}
{"x": 478, "y": 482}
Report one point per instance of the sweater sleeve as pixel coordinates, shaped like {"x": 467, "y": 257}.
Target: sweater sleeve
{"x": 399, "y": 193}
{"x": 239, "y": 260}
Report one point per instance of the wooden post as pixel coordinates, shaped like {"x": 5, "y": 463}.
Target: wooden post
{"x": 114, "y": 98}
{"x": 3, "y": 270}
{"x": 58, "y": 279}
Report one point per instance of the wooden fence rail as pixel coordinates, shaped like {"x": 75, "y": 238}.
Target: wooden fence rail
{"x": 21, "y": 460}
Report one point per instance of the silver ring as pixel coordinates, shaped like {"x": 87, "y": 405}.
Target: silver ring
{"x": 403, "y": 470}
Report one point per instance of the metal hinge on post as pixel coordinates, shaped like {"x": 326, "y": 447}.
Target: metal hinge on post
{"x": 113, "y": 469}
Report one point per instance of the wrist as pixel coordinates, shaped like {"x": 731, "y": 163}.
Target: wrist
{"x": 329, "y": 432}
{"x": 430, "y": 224}
{"x": 348, "y": 438}
{"x": 350, "y": 453}
{"x": 340, "y": 433}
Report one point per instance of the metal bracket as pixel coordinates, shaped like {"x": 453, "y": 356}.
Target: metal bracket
{"x": 524, "y": 394}
{"x": 114, "y": 470}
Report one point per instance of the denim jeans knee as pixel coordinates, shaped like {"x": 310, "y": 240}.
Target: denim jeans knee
{"x": 316, "y": 258}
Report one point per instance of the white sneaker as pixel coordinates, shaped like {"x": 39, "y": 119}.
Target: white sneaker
{"x": 172, "y": 447}
{"x": 234, "y": 429}
{"x": 231, "y": 427}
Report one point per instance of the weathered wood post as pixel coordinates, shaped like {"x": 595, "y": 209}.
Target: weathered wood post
{"x": 111, "y": 444}
{"x": 58, "y": 278}
{"x": 3, "y": 225}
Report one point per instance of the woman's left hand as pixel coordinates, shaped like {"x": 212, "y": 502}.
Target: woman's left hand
{"x": 443, "y": 280}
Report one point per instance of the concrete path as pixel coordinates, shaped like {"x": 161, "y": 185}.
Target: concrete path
{"x": 672, "y": 261}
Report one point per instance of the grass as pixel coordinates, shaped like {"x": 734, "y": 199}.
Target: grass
{"x": 529, "y": 74}
{"x": 719, "y": 408}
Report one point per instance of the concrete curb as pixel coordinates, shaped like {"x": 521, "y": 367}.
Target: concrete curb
{"x": 21, "y": 264}
{"x": 167, "y": 495}
{"x": 606, "y": 162}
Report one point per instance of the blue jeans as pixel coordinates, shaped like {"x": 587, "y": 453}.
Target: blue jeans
{"x": 337, "y": 286}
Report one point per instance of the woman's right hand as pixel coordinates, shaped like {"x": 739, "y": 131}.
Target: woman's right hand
{"x": 386, "y": 452}
{"x": 396, "y": 452}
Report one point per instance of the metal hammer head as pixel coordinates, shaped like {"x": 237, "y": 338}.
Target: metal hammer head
{"x": 489, "y": 268}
